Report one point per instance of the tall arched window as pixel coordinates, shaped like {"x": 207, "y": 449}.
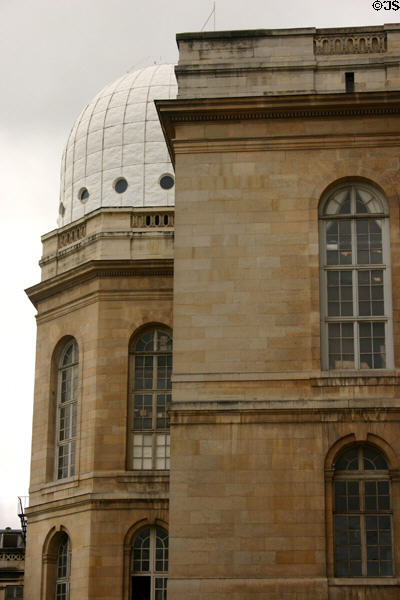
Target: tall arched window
{"x": 362, "y": 514}
{"x": 149, "y": 566}
{"x": 63, "y": 568}
{"x": 355, "y": 279}
{"x": 149, "y": 399}
{"x": 67, "y": 395}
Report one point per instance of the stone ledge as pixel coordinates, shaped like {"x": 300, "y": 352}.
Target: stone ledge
{"x": 361, "y": 582}
{"x": 94, "y": 501}
{"x": 99, "y": 268}
{"x": 238, "y": 412}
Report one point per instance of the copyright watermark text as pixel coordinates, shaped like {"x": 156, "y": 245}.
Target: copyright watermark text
{"x": 386, "y": 5}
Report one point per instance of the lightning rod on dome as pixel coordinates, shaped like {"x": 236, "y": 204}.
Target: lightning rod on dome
{"x": 212, "y": 14}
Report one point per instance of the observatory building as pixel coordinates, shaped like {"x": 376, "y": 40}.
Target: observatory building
{"x": 217, "y": 393}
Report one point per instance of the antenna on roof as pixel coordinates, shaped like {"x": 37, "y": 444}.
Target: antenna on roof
{"x": 212, "y": 13}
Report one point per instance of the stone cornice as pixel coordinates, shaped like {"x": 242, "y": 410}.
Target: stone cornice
{"x": 99, "y": 268}
{"x": 146, "y": 295}
{"x": 376, "y": 377}
{"x": 304, "y": 106}
{"x": 307, "y": 142}
{"x": 222, "y": 412}
{"x": 92, "y": 501}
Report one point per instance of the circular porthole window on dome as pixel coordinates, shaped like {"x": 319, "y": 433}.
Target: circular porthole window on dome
{"x": 167, "y": 181}
{"x": 121, "y": 185}
{"x": 83, "y": 194}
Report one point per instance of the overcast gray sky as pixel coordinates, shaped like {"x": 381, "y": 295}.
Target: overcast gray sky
{"x": 55, "y": 55}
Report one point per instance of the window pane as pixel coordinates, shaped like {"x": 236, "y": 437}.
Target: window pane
{"x": 161, "y": 588}
{"x": 163, "y": 403}
{"x": 369, "y": 241}
{"x": 379, "y": 546}
{"x": 348, "y": 461}
{"x": 370, "y": 292}
{"x": 141, "y": 552}
{"x": 371, "y": 499}
{"x": 146, "y": 342}
{"x": 372, "y": 335}
{"x": 374, "y": 459}
{"x": 339, "y": 203}
{"x": 142, "y": 451}
{"x": 161, "y": 550}
{"x": 143, "y": 412}
{"x": 162, "y": 451}
{"x": 164, "y": 342}
{"x": 338, "y": 243}
{"x": 347, "y": 496}
{"x": 66, "y": 460}
{"x": 348, "y": 561}
{"x": 340, "y": 293}
{"x": 341, "y": 345}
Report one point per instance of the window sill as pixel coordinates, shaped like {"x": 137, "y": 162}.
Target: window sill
{"x": 144, "y": 476}
{"x": 58, "y": 484}
{"x": 358, "y": 581}
{"x": 352, "y": 378}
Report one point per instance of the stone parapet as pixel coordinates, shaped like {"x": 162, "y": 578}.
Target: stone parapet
{"x": 287, "y": 61}
{"x": 126, "y": 233}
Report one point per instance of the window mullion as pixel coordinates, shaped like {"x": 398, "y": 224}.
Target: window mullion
{"x": 154, "y": 392}
{"x": 152, "y": 560}
{"x": 154, "y": 404}
{"x": 356, "y": 332}
{"x": 362, "y": 530}
{"x": 362, "y": 513}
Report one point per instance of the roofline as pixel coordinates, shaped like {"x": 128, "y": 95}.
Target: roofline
{"x": 255, "y": 33}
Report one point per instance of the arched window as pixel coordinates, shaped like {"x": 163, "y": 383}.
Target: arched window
{"x": 355, "y": 279}
{"x": 67, "y": 395}
{"x": 149, "y": 399}
{"x": 362, "y": 514}
{"x": 63, "y": 568}
{"x": 149, "y": 566}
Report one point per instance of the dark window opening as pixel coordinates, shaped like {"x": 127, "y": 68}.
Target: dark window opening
{"x": 349, "y": 82}
{"x": 14, "y": 592}
{"x": 167, "y": 182}
{"x": 11, "y": 540}
{"x": 141, "y": 588}
{"x": 83, "y": 194}
{"x": 121, "y": 185}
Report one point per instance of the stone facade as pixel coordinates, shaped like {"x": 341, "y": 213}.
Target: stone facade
{"x": 94, "y": 291}
{"x": 262, "y": 131}
{"x": 254, "y": 416}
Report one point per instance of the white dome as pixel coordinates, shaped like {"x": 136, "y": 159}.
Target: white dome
{"x": 118, "y": 135}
